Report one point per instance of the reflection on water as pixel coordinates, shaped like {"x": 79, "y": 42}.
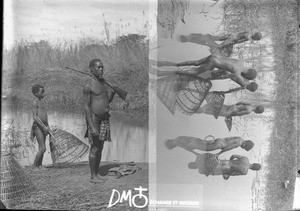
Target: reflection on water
{"x": 129, "y": 143}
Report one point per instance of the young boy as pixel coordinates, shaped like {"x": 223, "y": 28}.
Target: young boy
{"x": 40, "y": 128}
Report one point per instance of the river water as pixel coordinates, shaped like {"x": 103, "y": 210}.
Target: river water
{"x": 129, "y": 140}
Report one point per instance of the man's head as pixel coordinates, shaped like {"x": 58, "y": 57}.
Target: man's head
{"x": 38, "y": 90}
{"x": 96, "y": 67}
{"x": 259, "y": 109}
{"x": 250, "y": 74}
{"x": 247, "y": 145}
{"x": 256, "y": 36}
{"x": 252, "y": 87}
{"x": 255, "y": 166}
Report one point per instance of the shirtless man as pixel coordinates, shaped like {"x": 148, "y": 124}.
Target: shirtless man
{"x": 239, "y": 109}
{"x": 224, "y": 144}
{"x": 96, "y": 106}
{"x": 236, "y": 165}
{"x": 227, "y": 68}
{"x": 225, "y": 48}
{"x": 40, "y": 128}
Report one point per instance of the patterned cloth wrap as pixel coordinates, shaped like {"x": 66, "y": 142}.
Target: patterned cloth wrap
{"x": 207, "y": 162}
{"x": 104, "y": 128}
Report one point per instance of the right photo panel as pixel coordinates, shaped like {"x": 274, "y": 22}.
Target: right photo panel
{"x": 225, "y": 82}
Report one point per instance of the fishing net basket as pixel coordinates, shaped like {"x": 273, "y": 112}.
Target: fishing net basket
{"x": 66, "y": 147}
{"x": 14, "y": 182}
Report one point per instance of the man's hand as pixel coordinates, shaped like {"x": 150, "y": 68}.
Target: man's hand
{"x": 94, "y": 131}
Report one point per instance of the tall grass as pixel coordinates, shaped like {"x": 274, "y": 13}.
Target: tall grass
{"x": 28, "y": 63}
{"x": 283, "y": 150}
{"x": 281, "y": 16}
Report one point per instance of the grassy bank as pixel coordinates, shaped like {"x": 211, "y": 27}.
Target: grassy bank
{"x": 28, "y": 63}
{"x": 281, "y": 20}
{"x": 283, "y": 143}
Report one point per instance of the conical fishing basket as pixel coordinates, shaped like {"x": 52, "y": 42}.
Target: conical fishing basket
{"x": 66, "y": 147}
{"x": 191, "y": 94}
{"x": 14, "y": 182}
{"x": 216, "y": 101}
{"x": 185, "y": 92}
{"x": 166, "y": 91}
{"x": 207, "y": 162}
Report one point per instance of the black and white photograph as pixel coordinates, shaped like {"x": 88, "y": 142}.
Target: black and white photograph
{"x": 225, "y": 78}
{"x": 74, "y": 117}
{"x": 159, "y": 105}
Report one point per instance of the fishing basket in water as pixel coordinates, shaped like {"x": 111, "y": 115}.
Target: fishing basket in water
{"x": 65, "y": 147}
{"x": 14, "y": 182}
{"x": 184, "y": 92}
{"x": 216, "y": 101}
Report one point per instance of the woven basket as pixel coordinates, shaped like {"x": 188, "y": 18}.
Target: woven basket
{"x": 14, "y": 182}
{"x": 184, "y": 92}
{"x": 66, "y": 147}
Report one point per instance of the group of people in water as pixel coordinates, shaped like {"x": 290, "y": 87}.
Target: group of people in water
{"x": 220, "y": 67}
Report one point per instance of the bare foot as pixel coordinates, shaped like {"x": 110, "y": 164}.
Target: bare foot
{"x": 43, "y": 168}
{"x": 96, "y": 180}
{"x": 35, "y": 168}
{"x": 102, "y": 177}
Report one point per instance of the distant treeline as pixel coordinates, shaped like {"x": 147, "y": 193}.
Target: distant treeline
{"x": 28, "y": 63}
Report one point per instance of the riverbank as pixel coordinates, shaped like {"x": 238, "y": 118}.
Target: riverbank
{"x": 69, "y": 188}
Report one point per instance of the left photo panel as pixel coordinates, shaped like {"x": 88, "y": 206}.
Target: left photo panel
{"x": 74, "y": 105}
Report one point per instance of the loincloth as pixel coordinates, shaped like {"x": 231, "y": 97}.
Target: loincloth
{"x": 104, "y": 128}
{"x": 33, "y": 127}
{"x": 206, "y": 163}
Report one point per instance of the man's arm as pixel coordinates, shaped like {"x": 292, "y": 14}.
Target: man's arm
{"x": 187, "y": 63}
{"x": 87, "y": 103}
{"x": 242, "y": 103}
{"x": 234, "y": 90}
{"x": 111, "y": 97}
{"x": 220, "y": 75}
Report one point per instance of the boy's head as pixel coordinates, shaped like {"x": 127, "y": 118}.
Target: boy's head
{"x": 250, "y": 74}
{"x": 247, "y": 145}
{"x": 36, "y": 89}
{"x": 252, "y": 87}
{"x": 259, "y": 109}
{"x": 256, "y": 36}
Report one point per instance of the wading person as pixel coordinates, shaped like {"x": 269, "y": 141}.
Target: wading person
{"x": 224, "y": 144}
{"x": 239, "y": 109}
{"x": 226, "y": 46}
{"x": 210, "y": 164}
{"x": 227, "y": 68}
{"x": 96, "y": 105}
{"x": 40, "y": 128}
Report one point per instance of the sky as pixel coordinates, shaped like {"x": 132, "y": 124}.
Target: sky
{"x": 213, "y": 192}
{"x": 56, "y": 20}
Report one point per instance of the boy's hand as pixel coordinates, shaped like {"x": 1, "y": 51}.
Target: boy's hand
{"x": 47, "y": 129}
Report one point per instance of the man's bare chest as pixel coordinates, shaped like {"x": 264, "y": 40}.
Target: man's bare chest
{"x": 98, "y": 89}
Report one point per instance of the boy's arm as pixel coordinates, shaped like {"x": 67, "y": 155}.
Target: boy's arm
{"x": 36, "y": 118}
{"x": 87, "y": 103}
